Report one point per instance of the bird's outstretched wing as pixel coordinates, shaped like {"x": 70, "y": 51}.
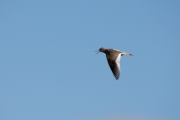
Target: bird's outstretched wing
{"x": 115, "y": 67}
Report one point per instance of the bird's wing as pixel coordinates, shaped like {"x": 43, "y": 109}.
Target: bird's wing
{"x": 115, "y": 67}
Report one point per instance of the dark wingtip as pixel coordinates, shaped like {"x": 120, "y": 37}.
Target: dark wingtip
{"x": 116, "y": 77}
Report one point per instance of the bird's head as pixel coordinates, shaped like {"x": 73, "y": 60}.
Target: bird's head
{"x": 101, "y": 50}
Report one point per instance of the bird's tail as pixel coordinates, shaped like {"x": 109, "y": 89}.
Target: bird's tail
{"x": 128, "y": 54}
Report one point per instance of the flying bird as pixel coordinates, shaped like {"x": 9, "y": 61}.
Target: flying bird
{"x": 113, "y": 58}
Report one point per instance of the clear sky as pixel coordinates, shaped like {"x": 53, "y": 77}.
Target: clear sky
{"x": 49, "y": 70}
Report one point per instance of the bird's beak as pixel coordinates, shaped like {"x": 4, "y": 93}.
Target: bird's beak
{"x": 97, "y": 51}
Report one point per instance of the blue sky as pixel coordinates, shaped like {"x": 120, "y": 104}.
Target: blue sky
{"x": 49, "y": 70}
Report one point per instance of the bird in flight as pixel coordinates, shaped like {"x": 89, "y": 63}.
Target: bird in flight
{"x": 113, "y": 58}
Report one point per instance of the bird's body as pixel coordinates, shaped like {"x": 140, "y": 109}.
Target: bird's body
{"x": 113, "y": 58}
